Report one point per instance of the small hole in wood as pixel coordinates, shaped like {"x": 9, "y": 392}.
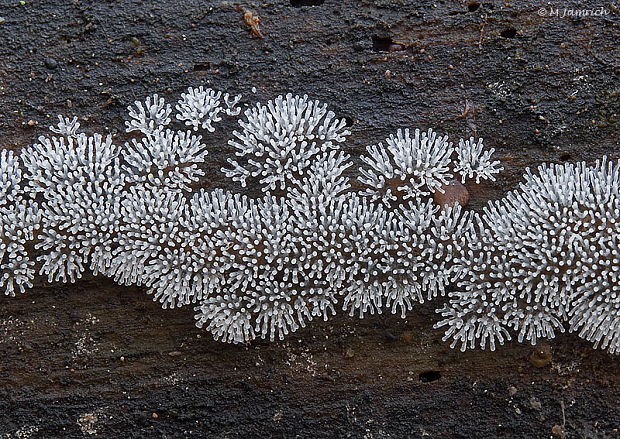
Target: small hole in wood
{"x": 300, "y": 3}
{"x": 429, "y": 376}
{"x": 511, "y": 32}
{"x": 473, "y": 6}
{"x": 381, "y": 44}
{"x": 385, "y": 44}
{"x": 202, "y": 66}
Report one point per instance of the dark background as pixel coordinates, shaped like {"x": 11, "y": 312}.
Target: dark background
{"x": 97, "y": 359}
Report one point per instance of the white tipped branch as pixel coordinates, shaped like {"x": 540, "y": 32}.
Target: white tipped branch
{"x": 200, "y": 108}
{"x": 150, "y": 116}
{"x": 473, "y": 160}
{"x": 81, "y": 183}
{"x": 166, "y": 158}
{"x": 406, "y": 168}
{"x": 66, "y": 127}
{"x": 279, "y": 140}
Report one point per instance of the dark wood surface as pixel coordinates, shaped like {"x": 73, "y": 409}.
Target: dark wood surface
{"x": 94, "y": 358}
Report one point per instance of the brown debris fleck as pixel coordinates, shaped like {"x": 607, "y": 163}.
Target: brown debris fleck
{"x": 454, "y": 192}
{"x": 512, "y": 390}
{"x": 396, "y": 47}
{"x": 407, "y": 337}
{"x": 541, "y": 355}
{"x": 558, "y": 431}
{"x": 253, "y": 21}
{"x": 535, "y": 403}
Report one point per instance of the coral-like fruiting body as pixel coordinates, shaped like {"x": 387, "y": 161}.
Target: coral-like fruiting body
{"x": 80, "y": 181}
{"x": 149, "y": 116}
{"x": 165, "y": 159}
{"x": 546, "y": 254}
{"x": 279, "y": 140}
{"x": 475, "y": 161}
{"x": 19, "y": 220}
{"x": 407, "y": 168}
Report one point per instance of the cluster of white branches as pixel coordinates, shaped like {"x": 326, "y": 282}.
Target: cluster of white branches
{"x": 19, "y": 220}
{"x": 311, "y": 244}
{"x": 279, "y": 140}
{"x": 548, "y": 253}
